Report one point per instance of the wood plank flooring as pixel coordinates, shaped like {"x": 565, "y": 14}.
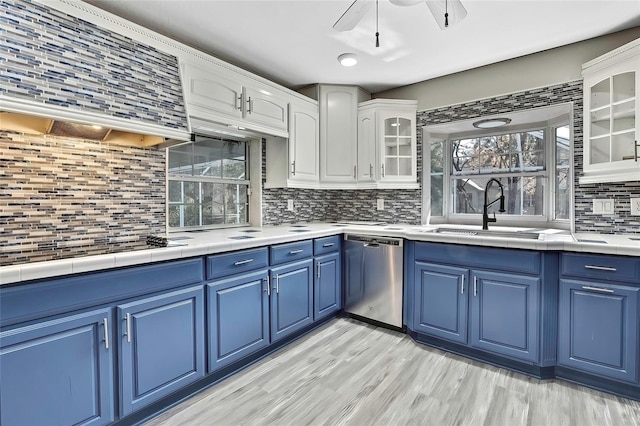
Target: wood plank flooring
{"x": 351, "y": 373}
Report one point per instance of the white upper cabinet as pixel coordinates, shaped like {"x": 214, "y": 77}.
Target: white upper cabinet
{"x": 263, "y": 107}
{"x": 339, "y": 135}
{"x": 304, "y": 142}
{"x": 611, "y": 124}
{"x": 393, "y": 142}
{"x": 222, "y": 96}
{"x": 205, "y": 93}
{"x": 294, "y": 163}
{"x": 367, "y": 143}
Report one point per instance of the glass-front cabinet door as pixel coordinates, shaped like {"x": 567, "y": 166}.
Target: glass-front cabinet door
{"x": 398, "y": 146}
{"x": 611, "y": 103}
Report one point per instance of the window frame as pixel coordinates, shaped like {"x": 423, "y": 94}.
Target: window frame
{"x": 209, "y": 179}
{"x": 548, "y": 218}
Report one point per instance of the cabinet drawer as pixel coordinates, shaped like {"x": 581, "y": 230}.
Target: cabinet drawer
{"x": 524, "y": 261}
{"x": 326, "y": 245}
{"x": 240, "y": 261}
{"x": 289, "y": 252}
{"x": 610, "y": 268}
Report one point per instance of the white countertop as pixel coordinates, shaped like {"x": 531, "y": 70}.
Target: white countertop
{"x": 218, "y": 241}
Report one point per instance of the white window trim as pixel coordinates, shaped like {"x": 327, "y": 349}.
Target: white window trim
{"x": 254, "y": 190}
{"x": 548, "y": 220}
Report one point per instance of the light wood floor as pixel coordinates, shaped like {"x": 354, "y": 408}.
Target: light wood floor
{"x": 352, "y": 373}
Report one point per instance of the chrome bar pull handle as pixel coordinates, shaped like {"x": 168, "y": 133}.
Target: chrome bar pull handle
{"x": 296, "y": 251}
{"x": 268, "y": 290}
{"x": 243, "y": 262}
{"x": 293, "y": 168}
{"x": 355, "y": 172}
{"x": 277, "y": 283}
{"x": 600, "y": 268}
{"x": 250, "y": 102}
{"x": 602, "y": 290}
{"x": 328, "y": 245}
{"x": 239, "y": 103}
{"x": 475, "y": 286}
{"x": 371, "y": 170}
{"x": 127, "y": 318}
{"x": 635, "y": 150}
{"x": 318, "y": 267}
{"x": 382, "y": 169}
{"x": 462, "y": 285}
{"x": 105, "y": 323}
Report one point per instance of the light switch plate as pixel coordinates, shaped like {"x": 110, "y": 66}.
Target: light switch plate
{"x": 635, "y": 206}
{"x": 380, "y": 203}
{"x": 603, "y": 206}
{"x": 290, "y": 205}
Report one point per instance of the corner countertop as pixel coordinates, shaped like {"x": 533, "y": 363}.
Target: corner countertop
{"x": 199, "y": 243}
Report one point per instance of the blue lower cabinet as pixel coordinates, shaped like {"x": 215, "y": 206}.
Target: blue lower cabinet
{"x": 327, "y": 286}
{"x": 440, "y": 301}
{"x": 503, "y": 315}
{"x": 598, "y": 328}
{"x": 238, "y": 317}
{"x": 161, "y": 346}
{"x": 291, "y": 298}
{"x": 58, "y": 372}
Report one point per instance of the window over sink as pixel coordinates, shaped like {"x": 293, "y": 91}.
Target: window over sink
{"x": 208, "y": 184}
{"x": 532, "y": 160}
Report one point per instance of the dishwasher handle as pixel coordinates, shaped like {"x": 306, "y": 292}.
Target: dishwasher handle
{"x": 374, "y": 245}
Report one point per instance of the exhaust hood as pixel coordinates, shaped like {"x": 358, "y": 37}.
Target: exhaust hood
{"x": 21, "y": 116}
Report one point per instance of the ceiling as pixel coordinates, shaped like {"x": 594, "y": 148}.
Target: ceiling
{"x": 292, "y": 42}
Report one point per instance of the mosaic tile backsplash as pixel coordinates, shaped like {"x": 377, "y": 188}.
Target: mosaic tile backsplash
{"x": 53, "y": 58}
{"x": 62, "y": 198}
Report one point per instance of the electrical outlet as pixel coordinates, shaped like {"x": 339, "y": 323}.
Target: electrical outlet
{"x": 635, "y": 206}
{"x": 380, "y": 203}
{"x": 290, "y": 205}
{"x": 603, "y": 206}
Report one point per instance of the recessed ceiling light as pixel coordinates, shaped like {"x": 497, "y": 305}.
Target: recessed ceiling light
{"x": 490, "y": 123}
{"x": 348, "y": 59}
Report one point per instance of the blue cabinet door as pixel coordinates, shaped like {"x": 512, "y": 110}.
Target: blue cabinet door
{"x": 440, "y": 301}
{"x": 504, "y": 314}
{"x": 58, "y": 372}
{"x": 598, "y": 328}
{"x": 353, "y": 275}
{"x": 291, "y": 298}
{"x": 327, "y": 286}
{"x": 161, "y": 346}
{"x": 238, "y": 317}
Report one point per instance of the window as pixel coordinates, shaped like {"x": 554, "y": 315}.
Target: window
{"x": 517, "y": 160}
{"x": 208, "y": 184}
{"x": 532, "y": 164}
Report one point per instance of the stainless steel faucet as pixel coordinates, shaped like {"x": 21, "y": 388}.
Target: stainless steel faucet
{"x": 485, "y": 208}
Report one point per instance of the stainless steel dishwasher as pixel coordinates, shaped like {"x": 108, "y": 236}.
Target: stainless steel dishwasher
{"x": 373, "y": 275}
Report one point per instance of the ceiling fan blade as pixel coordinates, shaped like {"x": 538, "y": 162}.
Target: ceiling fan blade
{"x": 454, "y": 8}
{"x": 353, "y": 15}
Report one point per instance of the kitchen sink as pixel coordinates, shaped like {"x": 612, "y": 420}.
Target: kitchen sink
{"x": 521, "y": 235}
